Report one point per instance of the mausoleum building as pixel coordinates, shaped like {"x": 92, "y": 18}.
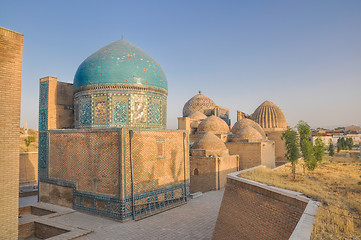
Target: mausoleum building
{"x": 103, "y": 143}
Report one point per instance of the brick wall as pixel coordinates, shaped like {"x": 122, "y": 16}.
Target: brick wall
{"x": 249, "y": 153}
{"x": 205, "y": 172}
{"x": 11, "y": 49}
{"x": 280, "y": 148}
{"x": 91, "y": 159}
{"x": 60, "y": 104}
{"x": 268, "y": 154}
{"x": 252, "y": 154}
{"x": 252, "y": 211}
{"x": 28, "y": 169}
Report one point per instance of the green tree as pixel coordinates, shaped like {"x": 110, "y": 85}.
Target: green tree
{"x": 331, "y": 149}
{"x": 306, "y": 145}
{"x": 293, "y": 152}
{"x": 319, "y": 150}
{"x": 28, "y": 141}
{"x": 339, "y": 145}
{"x": 344, "y": 144}
{"x": 349, "y": 143}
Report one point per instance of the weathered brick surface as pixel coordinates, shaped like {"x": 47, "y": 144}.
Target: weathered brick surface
{"x": 88, "y": 158}
{"x": 252, "y": 154}
{"x": 280, "y": 147}
{"x": 205, "y": 172}
{"x": 11, "y": 48}
{"x": 60, "y": 104}
{"x": 250, "y": 213}
{"x": 28, "y": 168}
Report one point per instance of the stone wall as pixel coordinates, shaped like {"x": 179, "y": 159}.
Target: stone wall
{"x": 28, "y": 169}
{"x": 11, "y": 50}
{"x": 251, "y": 210}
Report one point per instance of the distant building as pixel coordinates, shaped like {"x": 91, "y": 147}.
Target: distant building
{"x": 334, "y": 136}
{"x": 353, "y": 128}
{"x": 243, "y": 146}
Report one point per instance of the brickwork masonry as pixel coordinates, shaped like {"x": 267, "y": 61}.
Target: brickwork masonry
{"x": 11, "y": 50}
{"x": 251, "y": 210}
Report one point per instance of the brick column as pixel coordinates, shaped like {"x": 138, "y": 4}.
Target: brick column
{"x": 11, "y": 50}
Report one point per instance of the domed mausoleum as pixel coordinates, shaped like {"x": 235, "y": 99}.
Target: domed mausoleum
{"x": 213, "y": 124}
{"x": 200, "y": 103}
{"x": 269, "y": 116}
{"x": 103, "y": 138}
{"x": 247, "y": 134}
{"x": 120, "y": 85}
{"x": 210, "y": 162}
{"x": 194, "y": 111}
{"x": 247, "y": 122}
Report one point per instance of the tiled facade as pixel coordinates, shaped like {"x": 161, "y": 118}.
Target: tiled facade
{"x": 111, "y": 154}
{"x": 120, "y": 108}
{"x": 11, "y": 49}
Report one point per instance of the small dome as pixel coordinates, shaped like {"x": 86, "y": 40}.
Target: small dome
{"x": 213, "y": 124}
{"x": 247, "y": 122}
{"x": 120, "y": 63}
{"x": 197, "y": 116}
{"x": 249, "y": 134}
{"x": 209, "y": 141}
{"x": 199, "y": 103}
{"x": 268, "y": 115}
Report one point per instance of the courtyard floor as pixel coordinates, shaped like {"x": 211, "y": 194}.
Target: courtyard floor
{"x": 194, "y": 220}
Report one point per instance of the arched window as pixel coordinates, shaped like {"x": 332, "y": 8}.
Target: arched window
{"x": 196, "y": 172}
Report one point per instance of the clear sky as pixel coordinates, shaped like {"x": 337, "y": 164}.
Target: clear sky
{"x": 305, "y": 56}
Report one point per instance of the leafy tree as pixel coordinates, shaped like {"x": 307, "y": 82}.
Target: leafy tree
{"x": 349, "y": 143}
{"x": 341, "y": 143}
{"x": 319, "y": 150}
{"x": 28, "y": 141}
{"x": 331, "y": 149}
{"x": 344, "y": 144}
{"x": 306, "y": 145}
{"x": 293, "y": 151}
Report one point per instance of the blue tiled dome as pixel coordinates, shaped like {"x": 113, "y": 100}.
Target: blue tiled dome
{"x": 120, "y": 62}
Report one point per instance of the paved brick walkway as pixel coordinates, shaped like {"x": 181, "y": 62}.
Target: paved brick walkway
{"x": 194, "y": 220}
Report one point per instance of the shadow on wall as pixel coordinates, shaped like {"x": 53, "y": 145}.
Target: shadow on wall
{"x": 263, "y": 212}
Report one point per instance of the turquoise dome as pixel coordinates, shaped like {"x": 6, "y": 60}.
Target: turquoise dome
{"x": 120, "y": 62}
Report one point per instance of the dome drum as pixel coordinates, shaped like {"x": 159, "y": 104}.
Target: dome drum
{"x": 116, "y": 108}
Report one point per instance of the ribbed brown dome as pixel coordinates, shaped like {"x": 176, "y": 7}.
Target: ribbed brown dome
{"x": 247, "y": 122}
{"x": 269, "y": 115}
{"x": 199, "y": 103}
{"x": 249, "y": 134}
{"x": 197, "y": 116}
{"x": 209, "y": 141}
{"x": 213, "y": 124}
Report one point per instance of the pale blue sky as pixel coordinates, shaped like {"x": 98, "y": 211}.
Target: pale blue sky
{"x": 305, "y": 56}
